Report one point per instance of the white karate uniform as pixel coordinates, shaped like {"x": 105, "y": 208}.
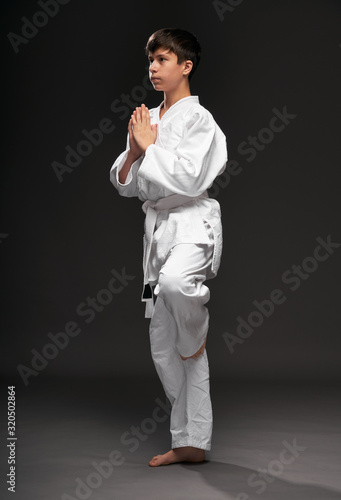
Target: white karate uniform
{"x": 182, "y": 248}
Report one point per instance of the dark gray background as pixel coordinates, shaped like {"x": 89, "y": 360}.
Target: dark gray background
{"x": 64, "y": 238}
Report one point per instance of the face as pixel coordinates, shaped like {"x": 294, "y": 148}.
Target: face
{"x": 164, "y": 71}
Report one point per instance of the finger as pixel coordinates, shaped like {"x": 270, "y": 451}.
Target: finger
{"x": 143, "y": 113}
{"x": 130, "y": 128}
{"x": 146, "y": 111}
{"x": 147, "y": 116}
{"x": 138, "y": 115}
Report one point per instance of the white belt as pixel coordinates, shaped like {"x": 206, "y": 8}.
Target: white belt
{"x": 151, "y": 209}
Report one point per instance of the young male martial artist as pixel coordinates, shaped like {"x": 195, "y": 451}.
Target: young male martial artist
{"x": 173, "y": 154}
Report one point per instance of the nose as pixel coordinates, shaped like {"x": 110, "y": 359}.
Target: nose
{"x": 152, "y": 67}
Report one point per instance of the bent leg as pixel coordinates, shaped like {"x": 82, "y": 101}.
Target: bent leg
{"x": 197, "y": 354}
{"x": 179, "y": 326}
{"x": 181, "y": 286}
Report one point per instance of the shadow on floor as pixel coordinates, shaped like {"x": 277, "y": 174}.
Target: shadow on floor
{"x": 242, "y": 483}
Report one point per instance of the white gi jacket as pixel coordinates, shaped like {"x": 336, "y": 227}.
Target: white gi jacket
{"x": 188, "y": 154}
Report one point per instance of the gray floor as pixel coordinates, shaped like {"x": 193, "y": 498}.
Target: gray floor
{"x": 64, "y": 427}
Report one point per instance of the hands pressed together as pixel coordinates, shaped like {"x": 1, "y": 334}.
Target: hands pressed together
{"x": 141, "y": 133}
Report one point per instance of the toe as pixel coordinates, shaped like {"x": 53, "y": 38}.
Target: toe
{"x": 154, "y": 461}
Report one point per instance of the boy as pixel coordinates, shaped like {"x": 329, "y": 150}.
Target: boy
{"x": 174, "y": 152}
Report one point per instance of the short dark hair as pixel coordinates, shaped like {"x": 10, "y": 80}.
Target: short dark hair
{"x": 185, "y": 45}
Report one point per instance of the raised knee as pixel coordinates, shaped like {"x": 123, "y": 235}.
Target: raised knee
{"x": 171, "y": 283}
{"x": 194, "y": 356}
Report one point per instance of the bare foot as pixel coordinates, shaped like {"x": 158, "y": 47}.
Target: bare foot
{"x": 183, "y": 454}
{"x": 197, "y": 354}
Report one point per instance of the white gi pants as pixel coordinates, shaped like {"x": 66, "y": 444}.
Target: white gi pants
{"x": 179, "y": 325}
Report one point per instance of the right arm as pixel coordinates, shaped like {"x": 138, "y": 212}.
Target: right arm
{"x": 123, "y": 173}
{"x": 134, "y": 154}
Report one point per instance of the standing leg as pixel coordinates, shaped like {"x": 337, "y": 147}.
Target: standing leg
{"x": 169, "y": 365}
{"x": 179, "y": 327}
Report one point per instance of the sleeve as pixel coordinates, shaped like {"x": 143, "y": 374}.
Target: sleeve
{"x": 129, "y": 188}
{"x": 199, "y": 158}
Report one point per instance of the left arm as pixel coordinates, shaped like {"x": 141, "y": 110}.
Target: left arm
{"x": 199, "y": 158}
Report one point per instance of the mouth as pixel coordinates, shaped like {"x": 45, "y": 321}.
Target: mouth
{"x": 154, "y": 79}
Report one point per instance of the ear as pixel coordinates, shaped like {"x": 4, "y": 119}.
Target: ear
{"x": 188, "y": 65}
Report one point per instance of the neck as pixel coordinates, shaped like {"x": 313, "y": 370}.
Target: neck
{"x": 173, "y": 96}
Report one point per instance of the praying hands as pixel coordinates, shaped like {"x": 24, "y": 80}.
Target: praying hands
{"x": 141, "y": 133}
